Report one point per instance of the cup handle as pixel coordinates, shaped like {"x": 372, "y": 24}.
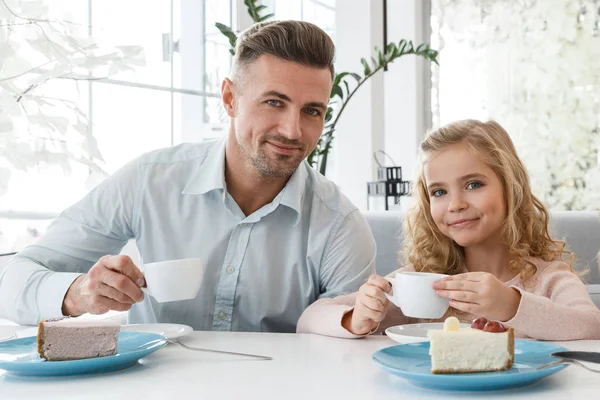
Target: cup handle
{"x": 387, "y": 296}
{"x": 145, "y": 290}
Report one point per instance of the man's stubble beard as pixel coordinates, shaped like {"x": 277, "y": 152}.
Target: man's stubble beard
{"x": 268, "y": 167}
{"x": 283, "y": 167}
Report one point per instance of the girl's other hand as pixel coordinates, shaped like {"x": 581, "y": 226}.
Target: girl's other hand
{"x": 481, "y": 294}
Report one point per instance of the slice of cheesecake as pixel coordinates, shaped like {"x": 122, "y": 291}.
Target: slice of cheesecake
{"x": 464, "y": 350}
{"x": 65, "y": 338}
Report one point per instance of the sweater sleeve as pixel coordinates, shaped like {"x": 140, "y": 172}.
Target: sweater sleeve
{"x": 562, "y": 311}
{"x": 324, "y": 317}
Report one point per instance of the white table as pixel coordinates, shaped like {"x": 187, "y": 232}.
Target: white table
{"x": 304, "y": 367}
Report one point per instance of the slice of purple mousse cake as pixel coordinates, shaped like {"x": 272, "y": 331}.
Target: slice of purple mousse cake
{"x": 65, "y": 338}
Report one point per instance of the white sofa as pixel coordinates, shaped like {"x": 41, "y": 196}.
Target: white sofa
{"x": 580, "y": 229}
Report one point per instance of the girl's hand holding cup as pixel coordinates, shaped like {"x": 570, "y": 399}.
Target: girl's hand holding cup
{"x": 370, "y": 307}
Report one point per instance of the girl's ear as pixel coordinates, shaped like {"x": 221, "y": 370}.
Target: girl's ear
{"x": 228, "y": 97}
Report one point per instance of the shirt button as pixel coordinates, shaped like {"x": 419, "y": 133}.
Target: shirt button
{"x": 230, "y": 270}
{"x": 222, "y": 315}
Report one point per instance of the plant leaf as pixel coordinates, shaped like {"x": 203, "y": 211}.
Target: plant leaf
{"x": 339, "y": 77}
{"x": 356, "y": 76}
{"x": 337, "y": 90}
{"x": 390, "y": 48}
{"x": 266, "y": 17}
{"x": 422, "y": 48}
{"x": 380, "y": 57}
{"x": 328, "y": 114}
{"x": 367, "y": 69}
{"x": 225, "y": 30}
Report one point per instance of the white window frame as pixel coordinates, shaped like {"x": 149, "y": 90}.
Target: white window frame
{"x": 192, "y": 126}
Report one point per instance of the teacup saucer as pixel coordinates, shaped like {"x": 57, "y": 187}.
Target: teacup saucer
{"x": 169, "y": 331}
{"x": 412, "y": 333}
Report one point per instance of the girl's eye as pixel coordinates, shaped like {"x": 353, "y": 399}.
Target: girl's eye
{"x": 474, "y": 185}
{"x": 438, "y": 193}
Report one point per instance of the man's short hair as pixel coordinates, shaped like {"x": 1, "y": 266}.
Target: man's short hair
{"x": 296, "y": 41}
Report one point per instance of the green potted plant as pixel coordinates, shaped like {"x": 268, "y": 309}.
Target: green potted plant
{"x": 342, "y": 91}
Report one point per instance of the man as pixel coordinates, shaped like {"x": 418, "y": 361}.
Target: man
{"x": 273, "y": 234}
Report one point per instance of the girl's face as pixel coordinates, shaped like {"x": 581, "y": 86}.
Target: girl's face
{"x": 466, "y": 197}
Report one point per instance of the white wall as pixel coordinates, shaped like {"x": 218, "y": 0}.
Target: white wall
{"x": 406, "y": 84}
{"x": 360, "y": 132}
{"x": 390, "y": 112}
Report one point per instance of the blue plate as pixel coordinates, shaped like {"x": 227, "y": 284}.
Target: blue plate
{"x": 20, "y": 357}
{"x": 413, "y": 363}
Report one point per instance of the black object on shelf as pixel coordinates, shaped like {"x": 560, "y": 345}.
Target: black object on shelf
{"x": 389, "y": 183}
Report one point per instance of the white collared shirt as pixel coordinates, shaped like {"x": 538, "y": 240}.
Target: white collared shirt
{"x": 260, "y": 271}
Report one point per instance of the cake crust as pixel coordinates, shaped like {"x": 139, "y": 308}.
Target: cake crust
{"x": 40, "y": 339}
{"x": 511, "y": 348}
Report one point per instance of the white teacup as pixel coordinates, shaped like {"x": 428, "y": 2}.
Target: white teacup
{"x": 173, "y": 280}
{"x": 414, "y": 294}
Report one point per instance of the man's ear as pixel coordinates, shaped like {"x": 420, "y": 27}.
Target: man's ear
{"x": 228, "y": 97}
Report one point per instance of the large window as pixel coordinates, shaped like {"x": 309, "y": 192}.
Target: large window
{"x": 532, "y": 66}
{"x": 174, "y": 98}
{"x": 319, "y": 12}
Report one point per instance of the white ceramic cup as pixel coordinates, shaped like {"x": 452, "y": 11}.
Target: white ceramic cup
{"x": 173, "y": 280}
{"x": 414, "y": 294}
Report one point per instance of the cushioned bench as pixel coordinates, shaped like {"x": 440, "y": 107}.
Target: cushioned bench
{"x": 580, "y": 229}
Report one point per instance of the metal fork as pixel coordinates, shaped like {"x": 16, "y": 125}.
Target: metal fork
{"x": 259, "y": 357}
{"x": 566, "y": 361}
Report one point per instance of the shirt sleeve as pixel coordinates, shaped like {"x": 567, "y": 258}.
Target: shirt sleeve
{"x": 564, "y": 310}
{"x": 349, "y": 257}
{"x": 33, "y": 284}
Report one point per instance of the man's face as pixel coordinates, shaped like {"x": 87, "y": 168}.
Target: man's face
{"x": 278, "y": 109}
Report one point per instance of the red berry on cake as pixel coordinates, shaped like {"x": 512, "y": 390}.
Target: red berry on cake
{"x": 494, "y": 326}
{"x": 479, "y": 323}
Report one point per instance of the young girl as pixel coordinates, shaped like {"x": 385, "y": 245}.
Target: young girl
{"x": 475, "y": 219}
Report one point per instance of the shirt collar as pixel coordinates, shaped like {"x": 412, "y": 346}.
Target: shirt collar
{"x": 293, "y": 192}
{"x": 210, "y": 173}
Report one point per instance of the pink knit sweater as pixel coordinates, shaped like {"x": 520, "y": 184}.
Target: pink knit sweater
{"x": 555, "y": 305}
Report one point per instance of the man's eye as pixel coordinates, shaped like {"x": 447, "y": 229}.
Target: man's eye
{"x": 312, "y": 112}
{"x": 275, "y": 103}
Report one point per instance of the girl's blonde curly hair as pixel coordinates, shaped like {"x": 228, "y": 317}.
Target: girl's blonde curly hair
{"x": 525, "y": 230}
